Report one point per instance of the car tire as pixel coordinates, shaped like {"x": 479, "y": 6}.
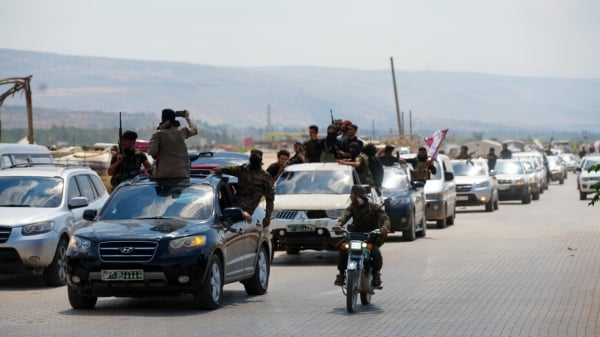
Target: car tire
{"x": 535, "y": 196}
{"x": 489, "y": 206}
{"x": 526, "y": 199}
{"x": 561, "y": 181}
{"x": 582, "y": 196}
{"x": 79, "y": 301}
{"x": 450, "y": 219}
{"x": 442, "y": 222}
{"x": 259, "y": 282}
{"x": 292, "y": 251}
{"x": 55, "y": 275}
{"x": 210, "y": 294}
{"x": 423, "y": 232}
{"x": 496, "y": 204}
{"x": 410, "y": 233}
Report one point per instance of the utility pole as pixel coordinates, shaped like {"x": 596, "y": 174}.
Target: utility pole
{"x": 399, "y": 118}
{"x": 20, "y": 83}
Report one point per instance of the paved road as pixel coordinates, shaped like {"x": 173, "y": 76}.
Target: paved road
{"x": 524, "y": 270}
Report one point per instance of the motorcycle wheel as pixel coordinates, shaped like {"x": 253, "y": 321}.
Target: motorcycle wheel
{"x": 351, "y": 293}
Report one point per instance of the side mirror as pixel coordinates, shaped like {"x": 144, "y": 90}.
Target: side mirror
{"x": 448, "y": 176}
{"x": 493, "y": 173}
{"x": 232, "y": 214}
{"x": 78, "y": 202}
{"x": 90, "y": 214}
{"x": 417, "y": 184}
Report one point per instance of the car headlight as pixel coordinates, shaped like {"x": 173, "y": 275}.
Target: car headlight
{"x": 482, "y": 184}
{"x": 187, "y": 243}
{"x": 334, "y": 213}
{"x": 79, "y": 245}
{"x": 37, "y": 228}
{"x": 520, "y": 181}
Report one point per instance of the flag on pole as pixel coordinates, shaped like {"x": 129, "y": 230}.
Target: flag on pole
{"x": 434, "y": 142}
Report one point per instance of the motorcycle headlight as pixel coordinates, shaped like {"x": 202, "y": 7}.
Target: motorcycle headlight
{"x": 187, "y": 243}
{"x": 79, "y": 245}
{"x": 37, "y": 228}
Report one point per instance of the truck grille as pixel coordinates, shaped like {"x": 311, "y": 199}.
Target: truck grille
{"x": 4, "y": 234}
{"x": 310, "y": 214}
{"x": 463, "y": 188}
{"x": 127, "y": 251}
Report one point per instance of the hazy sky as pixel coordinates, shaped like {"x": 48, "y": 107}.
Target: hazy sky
{"x": 557, "y": 38}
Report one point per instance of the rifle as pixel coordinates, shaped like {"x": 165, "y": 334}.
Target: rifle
{"x": 120, "y": 134}
{"x": 331, "y": 113}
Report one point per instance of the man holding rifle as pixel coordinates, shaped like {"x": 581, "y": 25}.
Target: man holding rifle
{"x": 127, "y": 163}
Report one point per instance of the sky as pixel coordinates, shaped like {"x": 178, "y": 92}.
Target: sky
{"x": 534, "y": 38}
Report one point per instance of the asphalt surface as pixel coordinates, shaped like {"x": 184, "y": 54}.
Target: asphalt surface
{"x": 524, "y": 270}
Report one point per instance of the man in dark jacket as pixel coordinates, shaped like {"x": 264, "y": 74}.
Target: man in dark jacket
{"x": 366, "y": 217}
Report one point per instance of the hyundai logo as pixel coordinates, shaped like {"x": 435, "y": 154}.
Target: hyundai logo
{"x": 126, "y": 250}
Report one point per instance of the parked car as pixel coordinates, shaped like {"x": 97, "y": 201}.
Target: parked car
{"x": 309, "y": 199}
{"x": 440, "y": 192}
{"x": 168, "y": 238}
{"x": 475, "y": 184}
{"x": 558, "y": 169}
{"x": 39, "y": 206}
{"x": 203, "y": 162}
{"x": 513, "y": 181}
{"x": 404, "y": 201}
{"x": 586, "y": 181}
{"x": 24, "y": 154}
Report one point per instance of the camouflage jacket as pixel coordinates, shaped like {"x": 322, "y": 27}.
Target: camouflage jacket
{"x": 366, "y": 217}
{"x": 252, "y": 186}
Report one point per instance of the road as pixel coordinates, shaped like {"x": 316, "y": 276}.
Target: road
{"x": 524, "y": 270}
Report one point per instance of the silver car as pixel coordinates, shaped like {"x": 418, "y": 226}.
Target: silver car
{"x": 38, "y": 208}
{"x": 475, "y": 184}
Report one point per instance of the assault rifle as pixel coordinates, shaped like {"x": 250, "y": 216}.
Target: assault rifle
{"x": 331, "y": 113}
{"x": 120, "y": 134}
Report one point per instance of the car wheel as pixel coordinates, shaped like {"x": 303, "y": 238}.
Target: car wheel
{"x": 496, "y": 204}
{"x": 409, "y": 234}
{"x": 450, "y": 219}
{"x": 561, "y": 181}
{"x": 526, "y": 198}
{"x": 582, "y": 196}
{"x": 535, "y": 196}
{"x": 259, "y": 282}
{"x": 55, "y": 274}
{"x": 79, "y": 301}
{"x": 442, "y": 223}
{"x": 210, "y": 294}
{"x": 489, "y": 206}
{"x": 423, "y": 231}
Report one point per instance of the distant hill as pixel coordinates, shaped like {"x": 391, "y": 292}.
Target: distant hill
{"x": 86, "y": 87}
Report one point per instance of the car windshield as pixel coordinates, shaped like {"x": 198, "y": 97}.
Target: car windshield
{"x": 589, "y": 163}
{"x": 160, "y": 201}
{"x": 468, "y": 169}
{"x": 30, "y": 191}
{"x": 395, "y": 178}
{"x": 509, "y": 167}
{"x": 314, "y": 182}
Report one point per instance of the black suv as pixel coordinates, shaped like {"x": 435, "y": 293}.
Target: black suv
{"x": 168, "y": 238}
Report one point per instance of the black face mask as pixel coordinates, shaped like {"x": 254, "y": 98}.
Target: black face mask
{"x": 129, "y": 151}
{"x": 255, "y": 162}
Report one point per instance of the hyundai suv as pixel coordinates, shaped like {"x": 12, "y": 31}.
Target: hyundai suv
{"x": 168, "y": 238}
{"x": 39, "y": 207}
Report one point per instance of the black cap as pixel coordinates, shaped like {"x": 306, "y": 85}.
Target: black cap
{"x": 168, "y": 115}
{"x": 131, "y": 135}
{"x": 256, "y": 152}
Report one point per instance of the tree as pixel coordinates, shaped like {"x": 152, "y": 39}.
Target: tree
{"x": 596, "y": 197}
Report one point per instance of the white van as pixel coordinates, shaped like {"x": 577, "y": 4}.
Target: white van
{"x": 440, "y": 192}
{"x": 15, "y": 154}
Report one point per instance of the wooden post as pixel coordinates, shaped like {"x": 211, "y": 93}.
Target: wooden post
{"x": 399, "y": 118}
{"x": 29, "y": 109}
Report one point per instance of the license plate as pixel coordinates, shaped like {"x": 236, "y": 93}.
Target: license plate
{"x": 462, "y": 198}
{"x": 122, "y": 275}
{"x": 300, "y": 228}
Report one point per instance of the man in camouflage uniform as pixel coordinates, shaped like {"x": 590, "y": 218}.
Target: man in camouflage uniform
{"x": 254, "y": 183}
{"x": 366, "y": 217}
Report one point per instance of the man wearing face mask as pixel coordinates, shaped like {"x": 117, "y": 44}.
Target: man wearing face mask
{"x": 366, "y": 216}
{"x": 331, "y": 146}
{"x": 254, "y": 183}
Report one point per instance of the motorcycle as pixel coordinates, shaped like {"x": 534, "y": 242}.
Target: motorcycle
{"x": 358, "y": 271}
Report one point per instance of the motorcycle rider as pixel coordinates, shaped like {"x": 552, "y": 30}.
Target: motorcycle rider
{"x": 367, "y": 216}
